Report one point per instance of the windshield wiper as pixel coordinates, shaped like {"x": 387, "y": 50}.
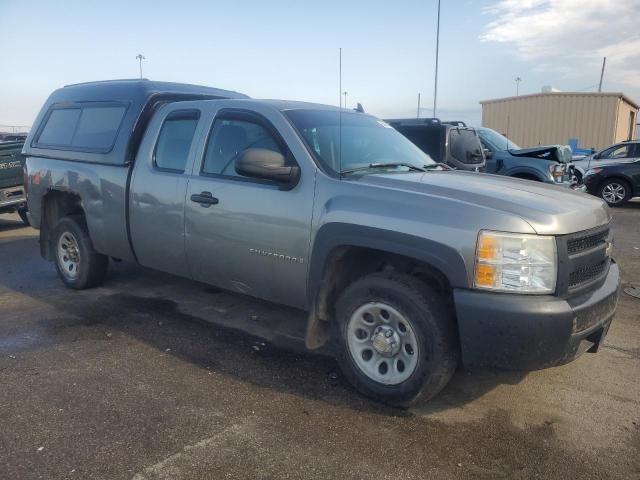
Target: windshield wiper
{"x": 433, "y": 166}
{"x": 372, "y": 166}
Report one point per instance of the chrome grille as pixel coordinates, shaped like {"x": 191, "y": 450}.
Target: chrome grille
{"x": 583, "y": 260}
{"x": 580, "y": 244}
{"x": 586, "y": 274}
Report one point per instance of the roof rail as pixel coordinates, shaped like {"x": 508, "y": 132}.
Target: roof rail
{"x": 108, "y": 81}
{"x": 456, "y": 123}
{"x": 415, "y": 121}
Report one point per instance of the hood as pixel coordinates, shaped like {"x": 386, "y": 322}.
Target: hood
{"x": 558, "y": 153}
{"x": 549, "y": 209}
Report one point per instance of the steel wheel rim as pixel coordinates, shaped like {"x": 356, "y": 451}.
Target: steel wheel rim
{"x": 69, "y": 255}
{"x": 372, "y": 331}
{"x": 614, "y": 192}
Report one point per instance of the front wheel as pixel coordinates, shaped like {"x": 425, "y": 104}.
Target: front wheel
{"x": 78, "y": 264}
{"x": 395, "y": 338}
{"x": 615, "y": 192}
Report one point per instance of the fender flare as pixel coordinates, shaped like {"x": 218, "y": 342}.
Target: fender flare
{"x": 333, "y": 235}
{"x": 526, "y": 170}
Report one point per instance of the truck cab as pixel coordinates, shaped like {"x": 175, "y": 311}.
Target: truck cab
{"x": 451, "y": 143}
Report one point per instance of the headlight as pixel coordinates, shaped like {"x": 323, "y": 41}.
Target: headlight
{"x": 557, "y": 172}
{"x": 517, "y": 263}
{"x": 593, "y": 171}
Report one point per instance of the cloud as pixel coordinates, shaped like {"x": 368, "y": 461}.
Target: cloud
{"x": 571, "y": 36}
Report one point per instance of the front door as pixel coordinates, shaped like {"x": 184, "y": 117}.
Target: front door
{"x": 245, "y": 234}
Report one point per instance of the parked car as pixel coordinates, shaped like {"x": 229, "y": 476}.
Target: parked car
{"x": 615, "y": 183}
{"x": 546, "y": 164}
{"x": 9, "y": 137}
{"x": 623, "y": 151}
{"x": 451, "y": 143}
{"x": 12, "y": 195}
{"x": 404, "y": 266}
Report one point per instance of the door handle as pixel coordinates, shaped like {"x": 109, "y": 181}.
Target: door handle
{"x": 204, "y": 198}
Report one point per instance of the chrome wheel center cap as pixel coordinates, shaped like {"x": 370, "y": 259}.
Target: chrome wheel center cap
{"x": 385, "y": 341}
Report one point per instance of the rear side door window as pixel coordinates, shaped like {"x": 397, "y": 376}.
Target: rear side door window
{"x": 175, "y": 139}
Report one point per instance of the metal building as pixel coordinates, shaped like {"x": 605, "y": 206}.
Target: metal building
{"x": 585, "y": 120}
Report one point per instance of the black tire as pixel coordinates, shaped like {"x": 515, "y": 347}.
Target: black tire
{"x": 612, "y": 183}
{"x": 430, "y": 319}
{"x": 22, "y": 212}
{"x": 91, "y": 266}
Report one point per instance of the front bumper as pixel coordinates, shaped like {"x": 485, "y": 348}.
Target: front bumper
{"x": 530, "y": 332}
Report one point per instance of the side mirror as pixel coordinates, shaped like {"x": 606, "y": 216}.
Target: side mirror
{"x": 487, "y": 153}
{"x": 266, "y": 165}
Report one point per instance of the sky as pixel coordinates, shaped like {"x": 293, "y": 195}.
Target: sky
{"x": 289, "y": 49}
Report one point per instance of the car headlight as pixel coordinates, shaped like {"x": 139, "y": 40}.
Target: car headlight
{"x": 516, "y": 263}
{"x": 557, "y": 172}
{"x": 593, "y": 171}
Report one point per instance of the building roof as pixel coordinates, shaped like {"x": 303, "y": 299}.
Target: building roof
{"x": 556, "y": 94}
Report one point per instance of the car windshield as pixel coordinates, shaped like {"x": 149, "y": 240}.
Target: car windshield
{"x": 497, "y": 141}
{"x": 357, "y": 142}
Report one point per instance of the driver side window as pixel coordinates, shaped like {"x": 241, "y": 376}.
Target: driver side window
{"x": 228, "y": 139}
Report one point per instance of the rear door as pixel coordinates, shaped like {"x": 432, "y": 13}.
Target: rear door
{"x": 246, "y": 234}
{"x": 159, "y": 186}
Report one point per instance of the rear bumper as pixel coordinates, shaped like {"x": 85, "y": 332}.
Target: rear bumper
{"x": 12, "y": 198}
{"x": 527, "y": 332}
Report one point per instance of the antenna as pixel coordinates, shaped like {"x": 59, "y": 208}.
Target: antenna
{"x": 340, "y": 113}
{"x": 507, "y": 134}
{"x": 140, "y": 58}
{"x": 418, "y": 114}
{"x": 435, "y": 88}
{"x": 604, "y": 62}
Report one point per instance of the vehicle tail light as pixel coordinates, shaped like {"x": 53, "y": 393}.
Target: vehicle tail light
{"x": 25, "y": 179}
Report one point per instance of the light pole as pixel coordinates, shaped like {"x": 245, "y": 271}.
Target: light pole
{"x": 141, "y": 57}
{"x": 435, "y": 88}
{"x": 345, "y": 98}
{"x": 518, "y": 80}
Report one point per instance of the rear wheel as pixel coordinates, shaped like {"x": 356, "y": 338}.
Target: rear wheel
{"x": 395, "y": 338}
{"x": 615, "y": 192}
{"x": 77, "y": 262}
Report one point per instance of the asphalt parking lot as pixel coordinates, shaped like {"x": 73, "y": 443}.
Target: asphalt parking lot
{"x": 152, "y": 377}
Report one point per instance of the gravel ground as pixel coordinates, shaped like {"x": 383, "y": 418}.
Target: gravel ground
{"x": 155, "y": 377}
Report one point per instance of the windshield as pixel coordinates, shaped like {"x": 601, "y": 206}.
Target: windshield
{"x": 367, "y": 144}
{"x": 495, "y": 140}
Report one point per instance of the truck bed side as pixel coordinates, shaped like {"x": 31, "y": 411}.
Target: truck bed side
{"x": 98, "y": 189}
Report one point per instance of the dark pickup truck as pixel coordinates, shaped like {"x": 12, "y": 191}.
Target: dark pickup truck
{"x": 12, "y": 195}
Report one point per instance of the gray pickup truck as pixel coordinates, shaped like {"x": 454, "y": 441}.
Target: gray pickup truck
{"x": 406, "y": 268}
